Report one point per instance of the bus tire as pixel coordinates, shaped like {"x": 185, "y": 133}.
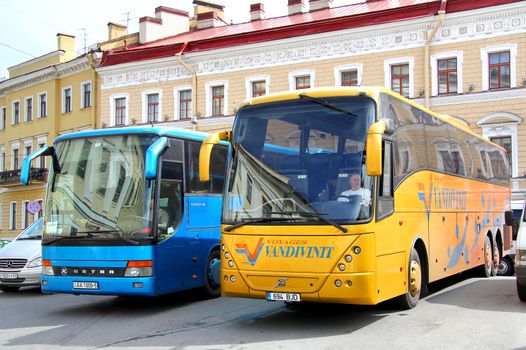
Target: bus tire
{"x": 521, "y": 291}
{"x": 487, "y": 267}
{"x": 212, "y": 286}
{"x": 414, "y": 283}
{"x": 496, "y": 259}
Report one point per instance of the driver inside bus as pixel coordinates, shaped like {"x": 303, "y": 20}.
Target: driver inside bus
{"x": 356, "y": 189}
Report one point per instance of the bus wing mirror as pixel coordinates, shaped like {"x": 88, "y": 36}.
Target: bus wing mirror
{"x": 152, "y": 157}
{"x": 206, "y": 151}
{"x": 373, "y": 146}
{"x": 26, "y": 163}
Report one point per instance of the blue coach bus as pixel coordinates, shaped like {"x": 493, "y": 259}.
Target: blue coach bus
{"x": 126, "y": 214}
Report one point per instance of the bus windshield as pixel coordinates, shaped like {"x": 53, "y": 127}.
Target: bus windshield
{"x": 100, "y": 191}
{"x": 301, "y": 161}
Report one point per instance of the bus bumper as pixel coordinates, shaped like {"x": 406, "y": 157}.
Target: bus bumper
{"x": 355, "y": 288}
{"x": 105, "y": 286}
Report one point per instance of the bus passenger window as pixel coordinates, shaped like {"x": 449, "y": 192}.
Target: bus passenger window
{"x": 170, "y": 199}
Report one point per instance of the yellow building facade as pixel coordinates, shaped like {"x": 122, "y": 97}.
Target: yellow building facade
{"x": 43, "y": 98}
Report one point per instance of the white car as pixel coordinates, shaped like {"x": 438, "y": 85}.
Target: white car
{"x": 20, "y": 260}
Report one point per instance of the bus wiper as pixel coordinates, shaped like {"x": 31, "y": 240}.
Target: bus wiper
{"x": 65, "y": 237}
{"x": 327, "y": 105}
{"x": 316, "y": 215}
{"x": 114, "y": 233}
{"x": 257, "y": 220}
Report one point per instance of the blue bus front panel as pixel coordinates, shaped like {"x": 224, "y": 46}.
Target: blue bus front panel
{"x": 97, "y": 270}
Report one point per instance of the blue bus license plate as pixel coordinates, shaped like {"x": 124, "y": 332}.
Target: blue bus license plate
{"x": 85, "y": 285}
{"x": 271, "y": 296}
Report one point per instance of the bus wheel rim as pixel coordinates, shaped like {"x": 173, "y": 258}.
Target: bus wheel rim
{"x": 415, "y": 278}
{"x": 489, "y": 258}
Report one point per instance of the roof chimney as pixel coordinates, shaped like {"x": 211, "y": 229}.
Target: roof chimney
{"x": 209, "y": 20}
{"x": 167, "y": 22}
{"x": 319, "y": 4}
{"x": 205, "y": 6}
{"x": 257, "y": 12}
{"x": 66, "y": 43}
{"x": 116, "y": 30}
{"x": 295, "y": 6}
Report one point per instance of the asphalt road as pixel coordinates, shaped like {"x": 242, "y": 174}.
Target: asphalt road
{"x": 461, "y": 313}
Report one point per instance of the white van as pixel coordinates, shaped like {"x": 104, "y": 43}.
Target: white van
{"x": 520, "y": 258}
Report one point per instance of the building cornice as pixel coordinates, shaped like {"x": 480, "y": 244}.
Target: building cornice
{"x": 480, "y": 97}
{"x": 58, "y": 71}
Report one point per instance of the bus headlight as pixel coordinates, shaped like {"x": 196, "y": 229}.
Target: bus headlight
{"x": 47, "y": 269}
{"x": 37, "y": 262}
{"x": 141, "y": 268}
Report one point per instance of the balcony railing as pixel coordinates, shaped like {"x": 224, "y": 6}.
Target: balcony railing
{"x": 12, "y": 177}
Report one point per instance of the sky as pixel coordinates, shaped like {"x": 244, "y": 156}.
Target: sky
{"x": 28, "y": 28}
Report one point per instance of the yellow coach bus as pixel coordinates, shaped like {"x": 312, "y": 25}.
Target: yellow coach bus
{"x": 356, "y": 195}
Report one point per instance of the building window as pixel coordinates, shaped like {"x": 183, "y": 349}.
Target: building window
{"x": 499, "y": 70}
{"x": 2, "y": 160}
{"x": 152, "y": 108}
{"x": 42, "y": 105}
{"x": 302, "y": 82}
{"x": 120, "y": 111}
{"x": 3, "y": 117}
{"x": 29, "y": 109}
{"x": 66, "y": 100}
{"x": 42, "y": 159}
{"x": 16, "y": 113}
{"x": 400, "y": 79}
{"x": 25, "y": 214}
{"x": 85, "y": 93}
{"x": 399, "y": 75}
{"x": 185, "y": 104}
{"x": 14, "y": 164}
{"x": 258, "y": 88}
{"x": 216, "y": 94}
{"x": 12, "y": 216}
{"x": 447, "y": 76}
{"x": 349, "y": 78}
{"x": 301, "y": 79}
{"x": 29, "y": 149}
{"x": 498, "y": 66}
{"x": 218, "y": 100}
{"x": 504, "y": 142}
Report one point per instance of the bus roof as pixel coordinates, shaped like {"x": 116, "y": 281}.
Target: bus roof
{"x": 156, "y": 130}
{"x": 372, "y": 91}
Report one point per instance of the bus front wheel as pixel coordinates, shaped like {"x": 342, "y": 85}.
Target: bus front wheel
{"x": 213, "y": 282}
{"x": 414, "y": 282}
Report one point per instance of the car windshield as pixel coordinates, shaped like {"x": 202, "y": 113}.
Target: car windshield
{"x": 100, "y": 191}
{"x": 301, "y": 161}
{"x": 32, "y": 232}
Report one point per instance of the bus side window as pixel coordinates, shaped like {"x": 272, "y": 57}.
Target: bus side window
{"x": 385, "y": 188}
{"x": 170, "y": 199}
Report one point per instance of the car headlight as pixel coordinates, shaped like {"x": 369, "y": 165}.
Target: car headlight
{"x": 37, "y": 262}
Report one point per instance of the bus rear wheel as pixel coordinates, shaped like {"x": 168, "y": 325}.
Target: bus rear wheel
{"x": 486, "y": 270}
{"x": 212, "y": 287}
{"x": 414, "y": 282}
